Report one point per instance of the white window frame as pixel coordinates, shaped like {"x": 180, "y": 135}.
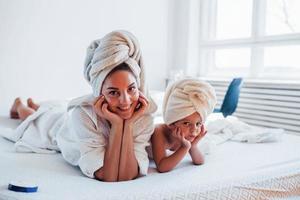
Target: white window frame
{"x": 256, "y": 42}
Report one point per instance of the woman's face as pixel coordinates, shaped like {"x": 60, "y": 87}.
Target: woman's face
{"x": 121, "y": 93}
{"x": 190, "y": 126}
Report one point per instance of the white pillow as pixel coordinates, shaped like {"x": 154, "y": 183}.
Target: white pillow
{"x": 158, "y": 97}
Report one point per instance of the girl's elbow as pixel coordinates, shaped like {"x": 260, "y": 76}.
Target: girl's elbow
{"x": 162, "y": 169}
{"x": 198, "y": 162}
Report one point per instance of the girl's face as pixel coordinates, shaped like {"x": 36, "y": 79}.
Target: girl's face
{"x": 190, "y": 126}
{"x": 121, "y": 93}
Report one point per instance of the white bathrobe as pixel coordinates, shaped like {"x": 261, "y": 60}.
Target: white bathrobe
{"x": 76, "y": 131}
{"x": 78, "y": 134}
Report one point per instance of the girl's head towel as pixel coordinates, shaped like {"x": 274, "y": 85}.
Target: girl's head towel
{"x": 184, "y": 97}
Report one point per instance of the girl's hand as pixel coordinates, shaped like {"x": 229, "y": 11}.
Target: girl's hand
{"x": 199, "y": 136}
{"x": 101, "y": 109}
{"x": 142, "y": 106}
{"x": 177, "y": 134}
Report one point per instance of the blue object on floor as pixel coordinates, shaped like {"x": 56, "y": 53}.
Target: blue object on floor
{"x": 231, "y": 98}
{"x": 21, "y": 186}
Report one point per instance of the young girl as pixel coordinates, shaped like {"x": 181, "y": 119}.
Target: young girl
{"x": 187, "y": 103}
{"x": 106, "y": 133}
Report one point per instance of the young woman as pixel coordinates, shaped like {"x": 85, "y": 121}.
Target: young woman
{"x": 186, "y": 105}
{"x": 106, "y": 133}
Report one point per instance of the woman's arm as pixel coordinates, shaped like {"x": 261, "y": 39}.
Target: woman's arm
{"x": 110, "y": 169}
{"x": 128, "y": 168}
{"x": 166, "y": 163}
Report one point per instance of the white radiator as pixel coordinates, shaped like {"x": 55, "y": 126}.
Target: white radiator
{"x": 266, "y": 104}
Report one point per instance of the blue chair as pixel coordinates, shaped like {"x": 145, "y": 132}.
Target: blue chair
{"x": 231, "y": 98}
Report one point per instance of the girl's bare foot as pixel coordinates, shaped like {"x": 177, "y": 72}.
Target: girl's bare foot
{"x": 13, "y": 111}
{"x": 31, "y": 104}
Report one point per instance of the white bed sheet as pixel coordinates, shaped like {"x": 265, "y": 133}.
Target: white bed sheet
{"x": 230, "y": 168}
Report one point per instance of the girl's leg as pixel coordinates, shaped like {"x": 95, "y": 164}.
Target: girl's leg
{"x": 31, "y": 104}
{"x": 20, "y": 111}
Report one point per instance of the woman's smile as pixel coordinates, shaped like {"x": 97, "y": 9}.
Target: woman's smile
{"x": 124, "y": 108}
{"x": 121, "y": 93}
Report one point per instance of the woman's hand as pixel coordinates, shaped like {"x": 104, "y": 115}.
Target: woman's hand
{"x": 177, "y": 134}
{"x": 101, "y": 109}
{"x": 199, "y": 136}
{"x": 143, "y": 104}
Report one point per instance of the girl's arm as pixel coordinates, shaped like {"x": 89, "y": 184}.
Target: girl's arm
{"x": 195, "y": 153}
{"x": 166, "y": 163}
{"x": 197, "y": 157}
{"x": 110, "y": 169}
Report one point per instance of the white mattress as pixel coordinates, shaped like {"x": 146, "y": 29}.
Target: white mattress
{"x": 233, "y": 171}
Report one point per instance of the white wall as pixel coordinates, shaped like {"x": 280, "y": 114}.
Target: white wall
{"x": 43, "y": 43}
{"x": 183, "y": 48}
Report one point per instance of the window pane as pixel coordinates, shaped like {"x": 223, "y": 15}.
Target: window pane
{"x": 282, "y": 62}
{"x": 234, "y": 19}
{"x": 283, "y": 17}
{"x": 229, "y": 58}
{"x": 231, "y": 63}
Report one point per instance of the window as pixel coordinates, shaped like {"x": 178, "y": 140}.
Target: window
{"x": 230, "y": 26}
{"x": 282, "y": 16}
{"x": 250, "y": 38}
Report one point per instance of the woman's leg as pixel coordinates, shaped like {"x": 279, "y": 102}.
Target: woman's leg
{"x": 13, "y": 111}
{"x": 32, "y": 104}
{"x": 19, "y": 110}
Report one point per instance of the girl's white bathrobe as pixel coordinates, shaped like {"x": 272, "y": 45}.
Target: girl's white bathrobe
{"x": 78, "y": 134}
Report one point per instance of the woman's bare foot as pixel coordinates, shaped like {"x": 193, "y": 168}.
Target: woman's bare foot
{"x": 13, "y": 111}
{"x": 31, "y": 104}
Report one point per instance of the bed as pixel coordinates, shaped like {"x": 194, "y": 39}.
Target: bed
{"x": 232, "y": 171}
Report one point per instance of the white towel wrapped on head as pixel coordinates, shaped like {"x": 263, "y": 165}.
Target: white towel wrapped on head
{"x": 105, "y": 54}
{"x": 186, "y": 96}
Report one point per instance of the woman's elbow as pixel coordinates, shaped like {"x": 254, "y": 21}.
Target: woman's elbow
{"x": 105, "y": 179}
{"x": 99, "y": 175}
{"x": 128, "y": 177}
{"x": 109, "y": 179}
